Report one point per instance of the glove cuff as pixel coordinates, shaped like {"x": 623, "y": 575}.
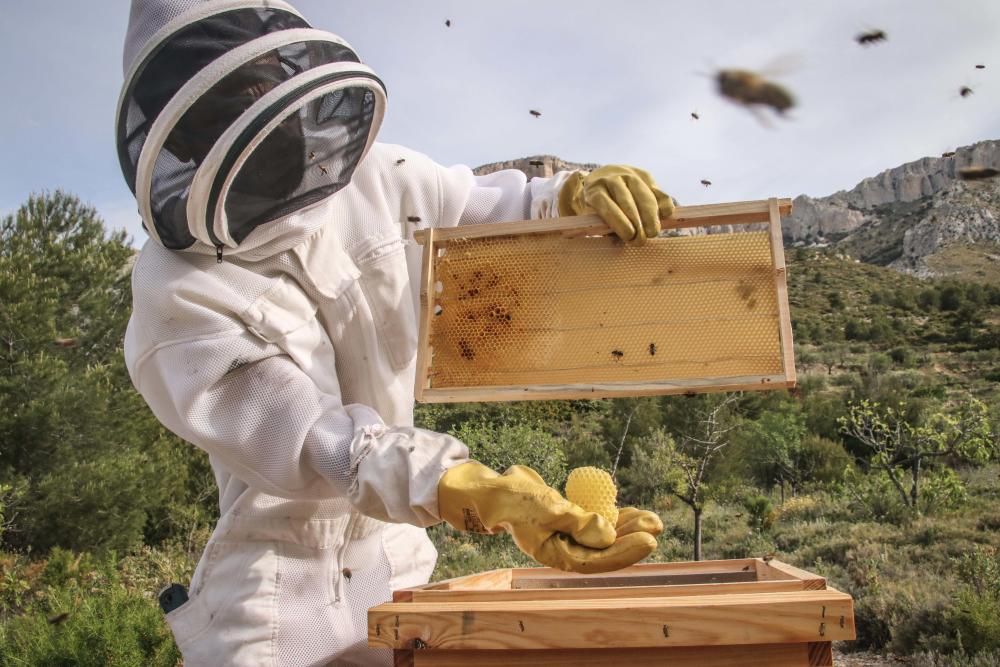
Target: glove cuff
{"x": 571, "y": 195}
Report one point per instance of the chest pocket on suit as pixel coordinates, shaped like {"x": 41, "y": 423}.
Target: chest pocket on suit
{"x": 286, "y": 316}
{"x": 385, "y": 284}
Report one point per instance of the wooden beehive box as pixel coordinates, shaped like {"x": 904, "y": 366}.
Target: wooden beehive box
{"x": 556, "y": 309}
{"x": 745, "y": 612}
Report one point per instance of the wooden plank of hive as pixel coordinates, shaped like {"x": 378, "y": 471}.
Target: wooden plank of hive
{"x": 526, "y": 594}
{"x": 767, "y": 655}
{"x": 424, "y": 349}
{"x": 781, "y": 284}
{"x": 705, "y": 215}
{"x": 642, "y": 569}
{"x": 644, "y": 580}
{"x": 648, "y": 579}
{"x": 745, "y": 618}
{"x": 774, "y": 570}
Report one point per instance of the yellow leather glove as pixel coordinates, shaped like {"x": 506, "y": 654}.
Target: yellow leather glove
{"x": 633, "y": 520}
{"x": 626, "y": 198}
{"x": 544, "y": 525}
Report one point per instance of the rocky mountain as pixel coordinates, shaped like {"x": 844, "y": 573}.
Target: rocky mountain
{"x": 912, "y": 218}
{"x": 907, "y": 215}
{"x": 536, "y": 165}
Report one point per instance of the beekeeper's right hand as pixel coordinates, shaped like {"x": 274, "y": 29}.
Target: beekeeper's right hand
{"x": 626, "y": 198}
{"x": 544, "y": 525}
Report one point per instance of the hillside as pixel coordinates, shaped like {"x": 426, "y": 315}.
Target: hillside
{"x": 852, "y": 317}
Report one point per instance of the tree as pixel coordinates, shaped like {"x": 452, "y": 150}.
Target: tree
{"x": 902, "y": 445}
{"x": 702, "y": 434}
{"x": 833, "y": 356}
{"x": 91, "y": 466}
{"x": 774, "y": 448}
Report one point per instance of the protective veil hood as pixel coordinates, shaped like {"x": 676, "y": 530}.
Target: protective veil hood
{"x": 235, "y": 117}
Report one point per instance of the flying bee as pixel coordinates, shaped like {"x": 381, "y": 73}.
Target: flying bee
{"x": 695, "y": 116}
{"x": 750, "y": 89}
{"x": 447, "y": 23}
{"x": 706, "y": 182}
{"x": 948, "y": 154}
{"x": 326, "y": 172}
{"x": 977, "y": 173}
{"x": 980, "y": 66}
{"x": 312, "y": 155}
{"x": 536, "y": 163}
{"x": 535, "y": 113}
{"x": 870, "y": 37}
{"x": 401, "y": 160}
{"x": 965, "y": 91}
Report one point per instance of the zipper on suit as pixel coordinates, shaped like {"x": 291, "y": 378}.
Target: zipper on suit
{"x": 338, "y": 583}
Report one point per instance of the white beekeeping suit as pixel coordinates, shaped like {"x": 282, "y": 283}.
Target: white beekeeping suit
{"x": 273, "y": 321}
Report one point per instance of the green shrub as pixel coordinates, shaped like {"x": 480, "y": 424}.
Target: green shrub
{"x": 942, "y": 490}
{"x": 760, "y": 513}
{"x": 651, "y": 473}
{"x": 975, "y": 617}
{"x": 501, "y": 446}
{"x": 102, "y": 626}
{"x": 76, "y": 609}
{"x": 937, "y": 659}
{"x": 873, "y": 496}
{"x": 460, "y": 553}
{"x": 903, "y": 356}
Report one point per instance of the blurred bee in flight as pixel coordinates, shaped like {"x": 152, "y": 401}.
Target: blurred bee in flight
{"x": 977, "y": 173}
{"x": 871, "y": 37}
{"x": 753, "y": 91}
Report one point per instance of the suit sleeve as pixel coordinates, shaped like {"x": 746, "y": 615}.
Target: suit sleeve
{"x": 256, "y": 412}
{"x": 506, "y": 195}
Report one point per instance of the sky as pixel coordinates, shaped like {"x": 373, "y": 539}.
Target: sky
{"x": 616, "y": 82}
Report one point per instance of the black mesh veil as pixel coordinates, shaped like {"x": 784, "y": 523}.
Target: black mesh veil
{"x": 173, "y": 62}
{"x": 193, "y": 87}
{"x": 329, "y": 134}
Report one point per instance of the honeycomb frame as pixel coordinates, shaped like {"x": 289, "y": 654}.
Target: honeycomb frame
{"x": 558, "y": 309}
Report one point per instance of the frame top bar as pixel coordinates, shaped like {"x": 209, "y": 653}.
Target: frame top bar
{"x": 706, "y": 215}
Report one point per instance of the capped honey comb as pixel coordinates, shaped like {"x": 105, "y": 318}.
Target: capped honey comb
{"x": 593, "y": 490}
{"x": 541, "y": 309}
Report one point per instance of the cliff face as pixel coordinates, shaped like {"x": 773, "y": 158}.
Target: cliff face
{"x": 964, "y": 213}
{"x": 904, "y": 216}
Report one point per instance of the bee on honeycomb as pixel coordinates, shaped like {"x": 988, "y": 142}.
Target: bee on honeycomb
{"x": 593, "y": 490}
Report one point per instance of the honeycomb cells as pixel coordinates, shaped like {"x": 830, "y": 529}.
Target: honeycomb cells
{"x": 593, "y": 490}
{"x": 541, "y": 309}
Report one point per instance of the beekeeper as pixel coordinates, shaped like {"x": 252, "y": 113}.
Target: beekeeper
{"x": 273, "y": 327}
